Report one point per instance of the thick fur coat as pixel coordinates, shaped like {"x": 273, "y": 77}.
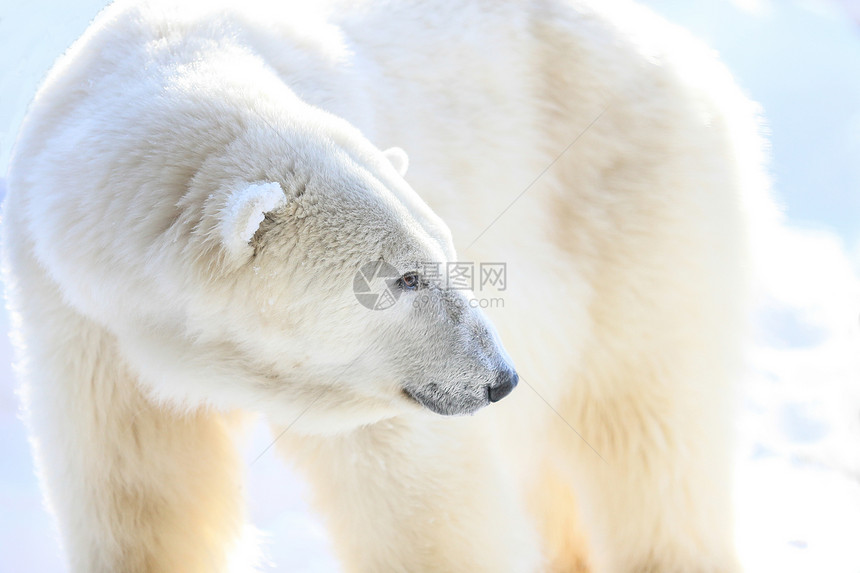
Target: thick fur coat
{"x": 195, "y": 188}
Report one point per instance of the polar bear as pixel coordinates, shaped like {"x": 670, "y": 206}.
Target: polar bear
{"x": 196, "y": 187}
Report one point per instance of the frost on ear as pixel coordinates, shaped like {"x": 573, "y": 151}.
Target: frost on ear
{"x": 398, "y": 159}
{"x": 244, "y": 211}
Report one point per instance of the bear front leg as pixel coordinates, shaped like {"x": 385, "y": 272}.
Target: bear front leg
{"x": 658, "y": 499}
{"x": 417, "y": 494}
{"x": 134, "y": 487}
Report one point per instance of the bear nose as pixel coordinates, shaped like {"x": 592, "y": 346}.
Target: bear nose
{"x": 506, "y": 380}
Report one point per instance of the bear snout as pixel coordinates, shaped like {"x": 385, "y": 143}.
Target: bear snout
{"x": 506, "y": 381}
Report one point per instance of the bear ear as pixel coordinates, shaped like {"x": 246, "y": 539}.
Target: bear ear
{"x": 245, "y": 209}
{"x": 398, "y": 159}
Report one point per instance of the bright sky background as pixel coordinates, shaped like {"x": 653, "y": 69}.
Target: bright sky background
{"x": 798, "y": 480}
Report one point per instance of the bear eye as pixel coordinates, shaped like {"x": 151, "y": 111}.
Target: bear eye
{"x": 409, "y": 281}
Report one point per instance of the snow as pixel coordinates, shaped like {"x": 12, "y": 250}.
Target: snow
{"x": 798, "y": 476}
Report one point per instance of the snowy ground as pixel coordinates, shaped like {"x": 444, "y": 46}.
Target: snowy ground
{"x": 798, "y": 479}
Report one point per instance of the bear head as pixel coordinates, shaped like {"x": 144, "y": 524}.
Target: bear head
{"x": 311, "y": 302}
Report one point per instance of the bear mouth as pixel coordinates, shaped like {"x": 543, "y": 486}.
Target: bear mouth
{"x": 445, "y": 405}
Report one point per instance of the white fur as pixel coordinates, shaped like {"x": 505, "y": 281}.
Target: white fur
{"x": 244, "y": 211}
{"x": 398, "y": 158}
{"x": 196, "y": 187}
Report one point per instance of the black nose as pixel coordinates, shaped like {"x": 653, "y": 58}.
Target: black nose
{"x": 506, "y": 380}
